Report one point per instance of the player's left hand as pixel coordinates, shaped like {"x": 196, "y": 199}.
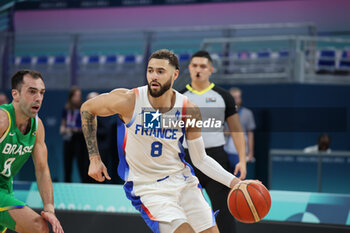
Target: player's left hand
{"x": 242, "y": 168}
{"x": 52, "y": 219}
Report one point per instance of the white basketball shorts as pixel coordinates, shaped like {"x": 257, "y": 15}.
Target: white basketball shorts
{"x": 178, "y": 196}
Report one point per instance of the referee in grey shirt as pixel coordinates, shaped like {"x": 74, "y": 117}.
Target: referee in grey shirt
{"x": 215, "y": 102}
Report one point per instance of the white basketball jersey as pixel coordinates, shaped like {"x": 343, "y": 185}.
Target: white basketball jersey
{"x": 148, "y": 151}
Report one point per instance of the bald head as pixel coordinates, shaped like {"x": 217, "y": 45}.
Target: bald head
{"x": 237, "y": 95}
{"x": 3, "y": 99}
{"x": 91, "y": 95}
{"x": 324, "y": 142}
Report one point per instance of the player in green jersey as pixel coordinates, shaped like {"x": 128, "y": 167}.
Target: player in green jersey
{"x": 22, "y": 134}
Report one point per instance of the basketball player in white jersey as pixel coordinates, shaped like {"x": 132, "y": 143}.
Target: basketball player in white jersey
{"x": 160, "y": 184}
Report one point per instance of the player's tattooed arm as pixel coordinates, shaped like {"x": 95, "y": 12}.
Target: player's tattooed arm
{"x": 196, "y": 113}
{"x": 89, "y": 127}
{"x": 117, "y": 101}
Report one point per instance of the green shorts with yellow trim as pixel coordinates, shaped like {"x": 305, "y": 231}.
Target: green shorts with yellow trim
{"x": 8, "y": 202}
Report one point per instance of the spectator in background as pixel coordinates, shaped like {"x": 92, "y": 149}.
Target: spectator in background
{"x": 3, "y": 99}
{"x": 323, "y": 145}
{"x": 74, "y": 143}
{"x": 107, "y": 144}
{"x": 248, "y": 125}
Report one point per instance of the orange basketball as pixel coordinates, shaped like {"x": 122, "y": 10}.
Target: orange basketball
{"x": 249, "y": 201}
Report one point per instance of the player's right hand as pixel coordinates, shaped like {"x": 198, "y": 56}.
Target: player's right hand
{"x": 52, "y": 219}
{"x": 97, "y": 169}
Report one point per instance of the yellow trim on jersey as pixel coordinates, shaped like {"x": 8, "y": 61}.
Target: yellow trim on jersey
{"x": 4, "y": 230}
{"x": 188, "y": 86}
{"x": 10, "y": 207}
{"x": 8, "y": 129}
{"x": 2, "y": 209}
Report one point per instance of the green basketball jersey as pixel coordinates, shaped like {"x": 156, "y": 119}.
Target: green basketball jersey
{"x": 15, "y": 147}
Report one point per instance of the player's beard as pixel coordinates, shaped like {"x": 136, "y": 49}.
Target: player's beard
{"x": 162, "y": 89}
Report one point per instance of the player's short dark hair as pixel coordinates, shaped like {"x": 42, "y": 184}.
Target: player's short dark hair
{"x": 17, "y": 78}
{"x": 168, "y": 55}
{"x": 202, "y": 53}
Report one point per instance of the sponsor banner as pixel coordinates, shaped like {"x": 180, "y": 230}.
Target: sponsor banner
{"x": 74, "y": 196}
{"x": 309, "y": 207}
{"x": 289, "y": 206}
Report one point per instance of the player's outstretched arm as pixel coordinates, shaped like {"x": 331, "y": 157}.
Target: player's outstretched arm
{"x": 199, "y": 157}
{"x": 238, "y": 139}
{"x": 43, "y": 177}
{"x": 119, "y": 101}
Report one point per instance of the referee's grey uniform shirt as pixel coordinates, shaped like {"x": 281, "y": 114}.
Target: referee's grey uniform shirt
{"x": 213, "y": 102}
